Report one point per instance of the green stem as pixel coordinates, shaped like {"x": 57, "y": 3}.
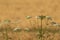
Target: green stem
{"x": 41, "y": 29}
{"x": 37, "y": 22}
{"x": 47, "y": 22}
{"x": 18, "y": 34}
{"x": 6, "y": 35}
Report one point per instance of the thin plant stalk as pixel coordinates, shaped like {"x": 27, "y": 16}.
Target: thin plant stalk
{"x": 47, "y": 21}
{"x": 17, "y": 31}
{"x": 18, "y": 36}
{"x": 2, "y": 31}
{"x": 7, "y": 23}
{"x": 6, "y": 34}
{"x": 41, "y": 29}
{"x": 37, "y": 22}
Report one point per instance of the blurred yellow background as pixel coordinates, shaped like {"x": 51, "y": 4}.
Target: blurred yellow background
{"x": 20, "y": 8}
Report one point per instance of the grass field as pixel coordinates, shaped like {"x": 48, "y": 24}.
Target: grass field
{"x": 16, "y": 10}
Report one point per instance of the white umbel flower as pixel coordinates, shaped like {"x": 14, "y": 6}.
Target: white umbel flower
{"x": 56, "y": 24}
{"x": 27, "y": 29}
{"x": 49, "y": 17}
{"x": 28, "y": 17}
{"x": 52, "y": 22}
{"x": 6, "y": 21}
{"x": 17, "y": 29}
{"x": 38, "y": 17}
{"x": 17, "y": 21}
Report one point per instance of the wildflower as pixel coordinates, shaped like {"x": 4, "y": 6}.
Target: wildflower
{"x": 17, "y": 29}
{"x": 40, "y": 17}
{"x": 7, "y": 21}
{"x": 27, "y": 29}
{"x": 53, "y": 22}
{"x": 28, "y": 17}
{"x": 48, "y": 17}
{"x": 56, "y": 24}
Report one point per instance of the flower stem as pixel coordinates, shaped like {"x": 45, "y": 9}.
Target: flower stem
{"x": 41, "y": 29}
{"x": 6, "y": 35}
